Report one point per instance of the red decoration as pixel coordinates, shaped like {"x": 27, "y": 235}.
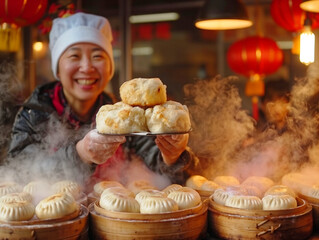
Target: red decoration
{"x": 254, "y": 55}
{"x": 22, "y": 12}
{"x": 145, "y": 32}
{"x": 163, "y": 30}
{"x": 289, "y": 15}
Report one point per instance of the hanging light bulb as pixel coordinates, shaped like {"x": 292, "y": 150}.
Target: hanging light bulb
{"x": 307, "y": 44}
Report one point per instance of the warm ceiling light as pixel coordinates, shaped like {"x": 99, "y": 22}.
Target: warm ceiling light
{"x": 310, "y": 6}
{"x": 156, "y": 17}
{"x": 223, "y": 15}
{"x": 307, "y": 44}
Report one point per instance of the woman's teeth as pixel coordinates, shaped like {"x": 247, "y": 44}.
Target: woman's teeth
{"x": 86, "y": 82}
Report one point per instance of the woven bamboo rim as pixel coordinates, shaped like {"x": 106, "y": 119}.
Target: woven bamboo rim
{"x": 300, "y": 209}
{"x": 36, "y": 220}
{"x": 144, "y": 216}
{"x": 311, "y": 200}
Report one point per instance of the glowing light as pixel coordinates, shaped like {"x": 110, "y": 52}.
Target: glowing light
{"x": 37, "y": 46}
{"x": 307, "y": 46}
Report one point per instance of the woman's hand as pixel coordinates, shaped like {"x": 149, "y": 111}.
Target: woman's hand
{"x": 98, "y": 148}
{"x": 171, "y": 146}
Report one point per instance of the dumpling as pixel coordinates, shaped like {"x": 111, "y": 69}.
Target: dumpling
{"x": 158, "y": 204}
{"x": 220, "y": 195}
{"x": 280, "y": 190}
{"x": 67, "y": 186}
{"x": 310, "y": 191}
{"x": 21, "y": 196}
{"x": 101, "y": 186}
{"x": 185, "y": 197}
{"x": 262, "y": 183}
{"x": 9, "y": 187}
{"x": 244, "y": 202}
{"x": 226, "y": 181}
{"x": 195, "y": 182}
{"x": 38, "y": 190}
{"x": 16, "y": 210}
{"x": 142, "y": 195}
{"x": 294, "y": 180}
{"x": 171, "y": 188}
{"x": 139, "y": 185}
{"x": 56, "y": 206}
{"x": 118, "y": 199}
{"x": 278, "y": 202}
{"x": 209, "y": 186}
{"x": 253, "y": 191}
{"x": 168, "y": 117}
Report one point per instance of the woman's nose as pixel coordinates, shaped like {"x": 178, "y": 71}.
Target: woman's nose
{"x": 86, "y": 65}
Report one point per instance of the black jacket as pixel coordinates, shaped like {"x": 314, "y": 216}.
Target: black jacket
{"x": 42, "y": 140}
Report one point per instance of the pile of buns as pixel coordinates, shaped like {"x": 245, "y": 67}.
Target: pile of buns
{"x": 38, "y": 200}
{"x": 144, "y": 108}
{"x": 254, "y": 193}
{"x": 148, "y": 200}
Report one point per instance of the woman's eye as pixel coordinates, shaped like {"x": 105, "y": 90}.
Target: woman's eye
{"x": 97, "y": 56}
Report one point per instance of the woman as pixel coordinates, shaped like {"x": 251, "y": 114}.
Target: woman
{"x": 57, "y": 121}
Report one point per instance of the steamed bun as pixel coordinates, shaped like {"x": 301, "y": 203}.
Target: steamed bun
{"x": 144, "y": 92}
{"x": 120, "y": 118}
{"x": 168, "y": 117}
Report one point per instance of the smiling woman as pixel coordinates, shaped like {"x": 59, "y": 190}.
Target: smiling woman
{"x": 54, "y": 132}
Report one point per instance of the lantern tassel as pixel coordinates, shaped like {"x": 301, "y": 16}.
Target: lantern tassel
{"x": 255, "y": 109}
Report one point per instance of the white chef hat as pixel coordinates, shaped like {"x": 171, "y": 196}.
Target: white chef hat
{"x": 79, "y": 28}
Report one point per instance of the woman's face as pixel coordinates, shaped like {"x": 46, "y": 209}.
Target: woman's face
{"x": 84, "y": 70}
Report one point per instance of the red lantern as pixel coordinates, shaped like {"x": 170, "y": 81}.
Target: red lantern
{"x": 289, "y": 15}
{"x": 22, "y": 12}
{"x": 254, "y": 55}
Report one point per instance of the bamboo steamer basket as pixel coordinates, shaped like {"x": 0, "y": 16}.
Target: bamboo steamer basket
{"x": 73, "y": 226}
{"x": 182, "y": 224}
{"x": 314, "y": 202}
{"x": 233, "y": 223}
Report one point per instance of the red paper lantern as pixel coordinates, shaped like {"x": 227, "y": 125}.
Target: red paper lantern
{"x": 254, "y": 55}
{"x": 289, "y": 15}
{"x": 22, "y": 12}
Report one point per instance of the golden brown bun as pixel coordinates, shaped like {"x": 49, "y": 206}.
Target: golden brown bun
{"x": 226, "y": 181}
{"x": 56, "y": 206}
{"x": 171, "y": 188}
{"x": 21, "y": 196}
{"x": 195, "y": 182}
{"x": 9, "y": 187}
{"x": 120, "y": 118}
{"x": 143, "y": 92}
{"x": 168, "y": 117}
{"x": 142, "y": 195}
{"x": 101, "y": 186}
{"x": 157, "y": 204}
{"x": 278, "y": 202}
{"x": 280, "y": 190}
{"x": 67, "y": 186}
{"x": 244, "y": 202}
{"x": 185, "y": 197}
{"x": 119, "y": 199}
{"x": 262, "y": 183}
{"x": 16, "y": 210}
{"x": 139, "y": 185}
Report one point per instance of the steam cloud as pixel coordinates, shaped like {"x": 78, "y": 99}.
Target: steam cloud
{"x": 227, "y": 142}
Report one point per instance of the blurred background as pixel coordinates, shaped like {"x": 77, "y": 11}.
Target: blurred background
{"x": 172, "y": 48}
